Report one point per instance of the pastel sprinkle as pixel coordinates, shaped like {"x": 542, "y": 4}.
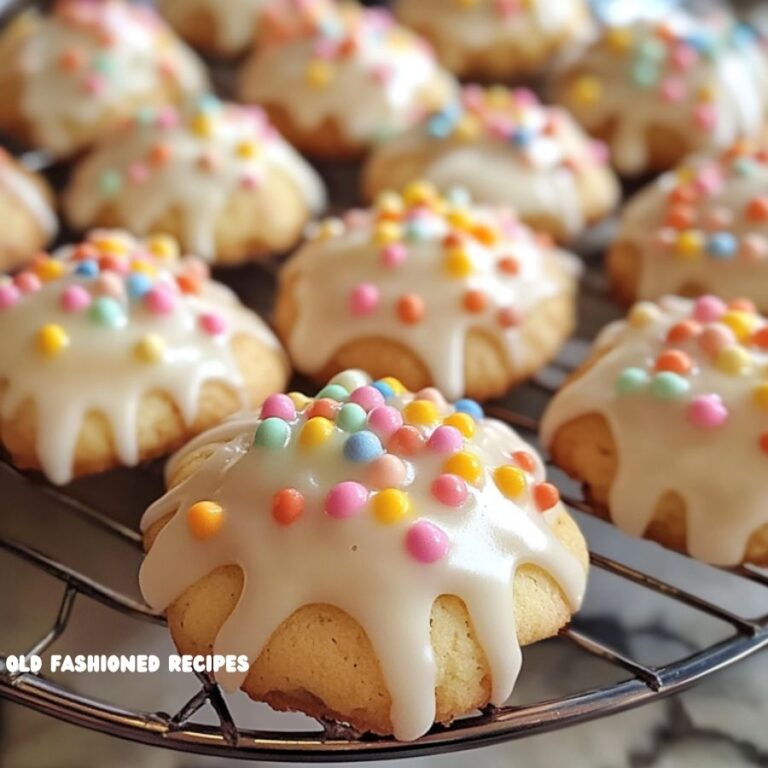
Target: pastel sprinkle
{"x": 287, "y": 506}
{"x": 346, "y": 500}
{"x": 707, "y": 412}
{"x": 278, "y": 406}
{"x": 449, "y": 490}
{"x": 390, "y": 506}
{"x": 272, "y": 433}
{"x": 445, "y": 439}
{"x": 351, "y": 417}
{"x": 385, "y": 421}
{"x": 362, "y": 447}
{"x": 426, "y": 542}
{"x": 205, "y": 519}
{"x": 668, "y": 386}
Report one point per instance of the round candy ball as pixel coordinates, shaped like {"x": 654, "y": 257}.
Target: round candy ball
{"x": 272, "y": 433}
{"x": 351, "y": 418}
{"x": 362, "y": 447}
{"x": 346, "y": 500}
{"x": 279, "y": 406}
{"x": 449, "y": 490}
{"x": 426, "y": 543}
{"x": 707, "y": 412}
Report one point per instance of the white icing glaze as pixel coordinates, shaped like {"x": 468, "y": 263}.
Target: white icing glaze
{"x": 718, "y": 192}
{"x": 235, "y": 21}
{"x": 215, "y": 150}
{"x": 99, "y": 370}
{"x": 718, "y": 472}
{"x": 730, "y": 86}
{"x": 379, "y": 88}
{"x": 119, "y": 55}
{"x": 358, "y": 564}
{"x": 324, "y": 273}
{"x": 29, "y": 195}
{"x": 539, "y": 177}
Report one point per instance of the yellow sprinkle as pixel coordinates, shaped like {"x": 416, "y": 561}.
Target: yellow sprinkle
{"x": 468, "y": 128}
{"x": 741, "y": 323}
{"x": 201, "y": 125}
{"x": 461, "y": 218}
{"x": 689, "y": 244}
{"x": 586, "y": 90}
{"x": 205, "y": 519}
{"x": 734, "y": 360}
{"x": 390, "y": 506}
{"x": 299, "y": 400}
{"x": 48, "y": 269}
{"x": 421, "y": 412}
{"x": 110, "y": 245}
{"x": 248, "y": 149}
{"x": 458, "y": 263}
{"x": 706, "y": 93}
{"x": 52, "y": 339}
{"x": 511, "y": 481}
{"x": 642, "y": 313}
{"x": 419, "y": 193}
{"x": 461, "y": 421}
{"x": 319, "y": 73}
{"x": 389, "y": 203}
{"x": 387, "y": 232}
{"x": 760, "y": 396}
{"x": 150, "y": 349}
{"x": 144, "y": 266}
{"x": 619, "y": 39}
{"x": 163, "y": 246}
{"x": 464, "y": 464}
{"x": 315, "y": 432}
{"x": 394, "y": 384}
{"x": 327, "y": 229}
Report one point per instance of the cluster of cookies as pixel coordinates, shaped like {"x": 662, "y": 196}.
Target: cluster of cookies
{"x": 410, "y": 544}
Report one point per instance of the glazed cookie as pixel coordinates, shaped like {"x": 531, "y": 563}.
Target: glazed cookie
{"x": 115, "y": 351}
{"x": 378, "y": 556}
{"x": 26, "y": 211}
{"x": 69, "y": 77}
{"x": 666, "y": 424}
{"x": 657, "y": 91}
{"x": 337, "y": 78}
{"x": 701, "y": 228}
{"x": 505, "y": 148}
{"x": 498, "y": 39}
{"x": 219, "y": 28}
{"x": 433, "y": 290}
{"x": 216, "y": 176}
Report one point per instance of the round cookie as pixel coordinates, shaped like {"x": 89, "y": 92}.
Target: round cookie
{"x": 702, "y": 228}
{"x": 216, "y": 176}
{"x": 219, "y": 28}
{"x": 335, "y": 78}
{"x": 656, "y": 91}
{"x": 433, "y": 290}
{"x": 378, "y": 556}
{"x": 71, "y": 76}
{"x": 116, "y": 351}
{"x": 505, "y": 148}
{"x": 26, "y": 212}
{"x": 666, "y": 424}
{"x": 498, "y": 39}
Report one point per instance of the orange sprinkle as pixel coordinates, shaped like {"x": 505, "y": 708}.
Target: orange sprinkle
{"x": 159, "y": 155}
{"x": 680, "y": 216}
{"x": 508, "y": 317}
{"x": 763, "y": 440}
{"x": 674, "y": 360}
{"x": 757, "y": 209}
{"x": 324, "y": 407}
{"x": 685, "y": 193}
{"x": 407, "y": 441}
{"x": 287, "y": 506}
{"x": 205, "y": 519}
{"x": 683, "y": 331}
{"x": 524, "y": 460}
{"x": 484, "y": 234}
{"x": 742, "y": 305}
{"x": 509, "y": 265}
{"x": 475, "y": 301}
{"x": 410, "y": 308}
{"x": 546, "y": 496}
{"x": 188, "y": 284}
{"x": 760, "y": 338}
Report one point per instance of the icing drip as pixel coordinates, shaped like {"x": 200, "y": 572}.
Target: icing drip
{"x": 505, "y": 148}
{"x": 705, "y": 224}
{"x": 235, "y": 21}
{"x": 361, "y": 557}
{"x": 682, "y": 387}
{"x": 422, "y": 271}
{"x": 194, "y": 162}
{"x": 87, "y": 60}
{"x": 100, "y": 325}
{"x": 705, "y": 82}
{"x": 28, "y": 195}
{"x": 347, "y": 64}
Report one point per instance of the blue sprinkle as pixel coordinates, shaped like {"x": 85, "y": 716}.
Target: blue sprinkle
{"x": 362, "y": 447}
{"x": 722, "y": 245}
{"x": 87, "y": 268}
{"x": 743, "y": 34}
{"x": 465, "y": 405}
{"x": 521, "y": 137}
{"x": 138, "y": 284}
{"x": 384, "y": 388}
{"x": 440, "y": 126}
{"x": 209, "y": 103}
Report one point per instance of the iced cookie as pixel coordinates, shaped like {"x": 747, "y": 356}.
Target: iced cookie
{"x": 26, "y": 213}
{"x": 216, "y": 176}
{"x": 335, "y": 78}
{"x": 702, "y": 228}
{"x": 505, "y": 148}
{"x": 378, "y": 556}
{"x": 666, "y": 424}
{"x": 218, "y": 27}
{"x": 115, "y": 351}
{"x": 656, "y": 91}
{"x": 71, "y": 76}
{"x": 499, "y": 39}
{"x": 433, "y": 290}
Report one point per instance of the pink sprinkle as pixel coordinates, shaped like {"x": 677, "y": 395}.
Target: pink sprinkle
{"x": 431, "y": 394}
{"x": 110, "y": 284}
{"x": 367, "y": 398}
{"x": 213, "y": 323}
{"x": 250, "y": 181}
{"x": 278, "y": 406}
{"x": 9, "y": 295}
{"x": 600, "y": 152}
{"x": 718, "y": 218}
{"x": 382, "y": 74}
{"x": 665, "y": 237}
{"x": 707, "y": 309}
{"x": 707, "y": 411}
{"x": 75, "y": 299}
{"x": 346, "y": 500}
{"x": 167, "y": 117}
{"x": 385, "y": 421}
{"x": 705, "y": 116}
{"x": 709, "y": 179}
{"x": 95, "y": 84}
{"x": 138, "y": 173}
{"x": 450, "y": 490}
{"x": 160, "y": 301}
{"x": 754, "y": 248}
{"x": 525, "y": 97}
{"x": 393, "y": 255}
{"x": 363, "y": 299}
{"x": 684, "y": 57}
{"x": 388, "y": 471}
{"x": 673, "y": 90}
{"x": 716, "y": 337}
{"x": 27, "y": 282}
{"x": 445, "y": 440}
{"x": 197, "y": 267}
{"x": 426, "y": 543}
